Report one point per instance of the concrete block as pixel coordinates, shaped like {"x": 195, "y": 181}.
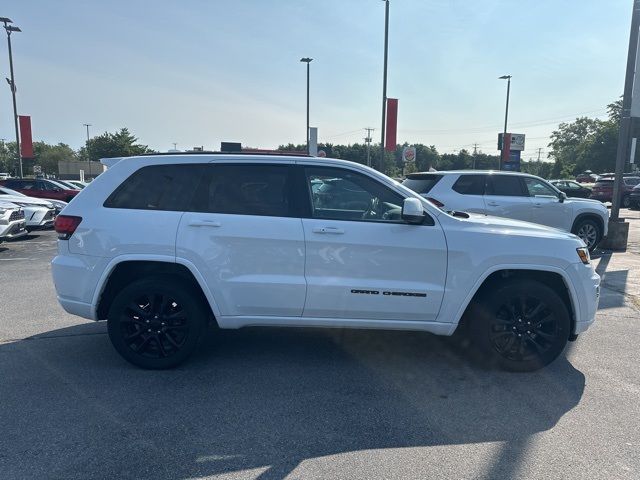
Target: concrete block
{"x": 617, "y": 237}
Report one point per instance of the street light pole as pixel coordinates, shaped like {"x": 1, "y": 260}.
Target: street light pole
{"x": 12, "y": 84}
{"x": 87, "y": 125}
{"x": 384, "y": 82}
{"x": 506, "y": 116}
{"x": 307, "y": 60}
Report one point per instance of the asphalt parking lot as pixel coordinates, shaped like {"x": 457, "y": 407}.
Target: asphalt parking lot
{"x": 320, "y": 404}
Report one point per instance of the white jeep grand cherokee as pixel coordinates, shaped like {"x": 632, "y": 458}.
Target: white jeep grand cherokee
{"x": 164, "y": 245}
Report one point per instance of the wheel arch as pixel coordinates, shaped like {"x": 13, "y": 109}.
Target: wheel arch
{"x": 122, "y": 271}
{"x": 588, "y": 216}
{"x": 548, "y": 275}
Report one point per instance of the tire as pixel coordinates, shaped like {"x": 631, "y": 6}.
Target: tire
{"x": 156, "y": 323}
{"x": 626, "y": 201}
{"x": 589, "y": 232}
{"x": 520, "y": 326}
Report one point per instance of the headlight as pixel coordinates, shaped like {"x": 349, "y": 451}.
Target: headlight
{"x": 583, "y": 253}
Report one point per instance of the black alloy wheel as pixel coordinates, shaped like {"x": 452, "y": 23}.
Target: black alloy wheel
{"x": 519, "y": 324}
{"x": 156, "y": 322}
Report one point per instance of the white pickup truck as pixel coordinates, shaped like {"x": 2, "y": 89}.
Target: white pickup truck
{"x": 163, "y": 246}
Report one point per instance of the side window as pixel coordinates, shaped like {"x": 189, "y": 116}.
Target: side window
{"x": 40, "y": 185}
{"x": 157, "y": 187}
{"x": 538, "y": 188}
{"x": 470, "y": 184}
{"x": 340, "y": 194}
{"x": 505, "y": 185}
{"x": 27, "y": 185}
{"x": 245, "y": 189}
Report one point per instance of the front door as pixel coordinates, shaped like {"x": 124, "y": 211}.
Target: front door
{"x": 547, "y": 208}
{"x": 362, "y": 260}
{"x": 245, "y": 237}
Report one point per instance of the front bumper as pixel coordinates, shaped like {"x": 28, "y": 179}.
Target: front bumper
{"x": 586, "y": 283}
{"x": 41, "y": 219}
{"x": 15, "y": 230}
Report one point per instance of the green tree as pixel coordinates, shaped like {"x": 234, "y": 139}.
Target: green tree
{"x": 119, "y": 144}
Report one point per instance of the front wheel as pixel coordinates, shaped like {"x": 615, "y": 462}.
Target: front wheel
{"x": 589, "y": 232}
{"x": 626, "y": 201}
{"x": 520, "y": 326}
{"x": 156, "y": 322}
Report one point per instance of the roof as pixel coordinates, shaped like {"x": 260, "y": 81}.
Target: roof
{"x": 470, "y": 172}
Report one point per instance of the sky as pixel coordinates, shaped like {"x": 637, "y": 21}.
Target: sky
{"x": 199, "y": 72}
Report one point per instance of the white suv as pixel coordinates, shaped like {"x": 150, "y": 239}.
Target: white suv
{"x": 164, "y": 245}
{"x": 513, "y": 195}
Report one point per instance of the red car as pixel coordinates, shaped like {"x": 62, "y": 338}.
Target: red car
{"x": 603, "y": 190}
{"x": 40, "y": 188}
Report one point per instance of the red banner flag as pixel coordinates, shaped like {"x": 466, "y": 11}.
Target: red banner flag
{"x": 392, "y": 125}
{"x": 26, "y": 142}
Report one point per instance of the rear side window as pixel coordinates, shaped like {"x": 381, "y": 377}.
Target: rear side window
{"x": 245, "y": 189}
{"x": 505, "y": 185}
{"x": 421, "y": 183}
{"x": 157, "y": 187}
{"x": 470, "y": 184}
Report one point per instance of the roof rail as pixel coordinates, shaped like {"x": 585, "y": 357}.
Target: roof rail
{"x": 274, "y": 154}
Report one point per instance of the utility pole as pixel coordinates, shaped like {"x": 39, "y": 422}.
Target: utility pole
{"x": 475, "y": 154}
{"x": 368, "y": 142}
{"x": 625, "y": 115}
{"x": 539, "y": 150}
{"x": 384, "y": 82}
{"x": 175, "y": 145}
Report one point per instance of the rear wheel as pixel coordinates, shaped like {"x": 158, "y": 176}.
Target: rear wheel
{"x": 520, "y": 326}
{"x": 156, "y": 322}
{"x": 626, "y": 201}
{"x": 589, "y": 232}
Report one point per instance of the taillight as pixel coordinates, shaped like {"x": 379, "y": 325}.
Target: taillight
{"x": 65, "y": 225}
{"x": 437, "y": 203}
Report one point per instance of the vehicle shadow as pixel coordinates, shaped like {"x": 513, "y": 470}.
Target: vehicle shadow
{"x": 260, "y": 399}
{"x": 613, "y": 283}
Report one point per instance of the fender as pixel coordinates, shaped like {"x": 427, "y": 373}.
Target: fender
{"x": 115, "y": 261}
{"x": 515, "y": 266}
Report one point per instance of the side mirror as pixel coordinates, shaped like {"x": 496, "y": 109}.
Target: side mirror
{"x": 562, "y": 197}
{"x": 412, "y": 211}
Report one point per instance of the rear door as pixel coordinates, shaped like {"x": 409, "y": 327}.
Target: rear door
{"x": 244, "y": 235}
{"x": 547, "y": 208}
{"x": 506, "y": 196}
{"x": 362, "y": 260}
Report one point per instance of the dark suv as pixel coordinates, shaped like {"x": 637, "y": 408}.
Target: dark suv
{"x": 603, "y": 190}
{"x": 40, "y": 188}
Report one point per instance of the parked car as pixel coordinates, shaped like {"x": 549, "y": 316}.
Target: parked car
{"x": 634, "y": 197}
{"x": 4, "y": 176}
{"x": 571, "y": 188}
{"x": 40, "y": 188}
{"x": 163, "y": 246}
{"x": 586, "y": 177}
{"x": 12, "y": 223}
{"x": 603, "y": 190}
{"x": 513, "y": 195}
{"x": 58, "y": 205}
{"x": 38, "y": 213}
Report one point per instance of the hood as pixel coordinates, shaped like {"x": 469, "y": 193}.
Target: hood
{"x": 589, "y": 201}
{"x": 27, "y": 201}
{"x": 507, "y": 226}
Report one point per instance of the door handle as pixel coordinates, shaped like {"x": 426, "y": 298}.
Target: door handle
{"x": 537, "y": 205}
{"x": 493, "y": 204}
{"x": 204, "y": 223}
{"x": 333, "y": 230}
